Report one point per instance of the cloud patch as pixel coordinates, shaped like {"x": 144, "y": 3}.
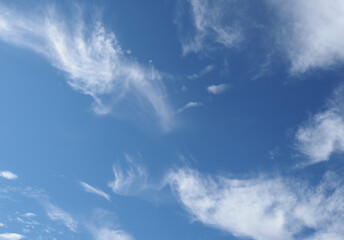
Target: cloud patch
{"x": 311, "y": 32}
{"x": 11, "y": 236}
{"x": 8, "y": 175}
{"x": 263, "y": 208}
{"x": 111, "y": 234}
{"x": 323, "y": 134}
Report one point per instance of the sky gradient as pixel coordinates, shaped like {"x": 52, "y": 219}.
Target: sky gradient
{"x": 162, "y": 119}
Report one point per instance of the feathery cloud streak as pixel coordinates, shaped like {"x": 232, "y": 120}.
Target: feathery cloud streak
{"x": 263, "y": 208}
{"x": 91, "y": 58}
{"x": 129, "y": 179}
{"x": 57, "y": 214}
{"x": 189, "y": 105}
{"x": 210, "y": 25}
{"x": 88, "y": 188}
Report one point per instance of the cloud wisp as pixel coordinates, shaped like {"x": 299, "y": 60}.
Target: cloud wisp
{"x": 57, "y": 214}
{"x": 217, "y": 89}
{"x": 311, "y": 32}
{"x": 203, "y": 72}
{"x": 88, "y": 188}
{"x": 92, "y": 60}
{"x": 189, "y": 105}
{"x": 8, "y": 175}
{"x": 130, "y": 179}
{"x": 210, "y": 25}
{"x": 263, "y": 208}
{"x": 323, "y": 134}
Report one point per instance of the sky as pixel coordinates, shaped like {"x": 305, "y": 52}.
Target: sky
{"x": 172, "y": 119}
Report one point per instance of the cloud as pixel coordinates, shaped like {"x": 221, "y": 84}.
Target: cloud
{"x": 1, "y": 224}
{"x": 57, "y": 214}
{"x": 29, "y": 215}
{"x": 88, "y": 188}
{"x": 323, "y": 134}
{"x": 11, "y": 236}
{"x": 217, "y": 89}
{"x": 129, "y": 180}
{"x": 8, "y": 175}
{"x": 263, "y": 208}
{"x": 111, "y": 234}
{"x": 92, "y": 60}
{"x": 210, "y": 25}
{"x": 203, "y": 72}
{"x": 189, "y": 105}
{"x": 311, "y": 32}
{"x": 103, "y": 227}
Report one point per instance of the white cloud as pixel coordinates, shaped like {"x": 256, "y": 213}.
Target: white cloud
{"x": 104, "y": 227}
{"x": 57, "y": 214}
{"x": 189, "y": 105}
{"x": 29, "y": 215}
{"x": 203, "y": 72}
{"x": 8, "y": 175}
{"x": 217, "y": 89}
{"x": 111, "y": 234}
{"x": 1, "y": 224}
{"x": 129, "y": 180}
{"x": 312, "y": 32}
{"x": 88, "y": 188}
{"x": 91, "y": 58}
{"x": 210, "y": 25}
{"x": 263, "y": 208}
{"x": 323, "y": 134}
{"x": 11, "y": 236}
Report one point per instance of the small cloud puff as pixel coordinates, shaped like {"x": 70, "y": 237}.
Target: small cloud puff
{"x": 11, "y": 236}
{"x": 217, "y": 89}
{"x": 8, "y": 175}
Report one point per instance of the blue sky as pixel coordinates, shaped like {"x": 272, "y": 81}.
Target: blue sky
{"x": 162, "y": 119}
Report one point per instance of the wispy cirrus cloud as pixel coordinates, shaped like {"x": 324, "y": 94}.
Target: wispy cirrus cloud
{"x": 129, "y": 178}
{"x": 217, "y": 89}
{"x": 189, "y": 105}
{"x": 323, "y": 134}
{"x": 88, "y": 188}
{"x": 204, "y": 71}
{"x": 8, "y": 175}
{"x": 263, "y": 208}
{"x": 210, "y": 25}
{"x": 57, "y": 214}
{"x": 92, "y": 60}
{"x": 11, "y": 236}
{"x": 310, "y": 32}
